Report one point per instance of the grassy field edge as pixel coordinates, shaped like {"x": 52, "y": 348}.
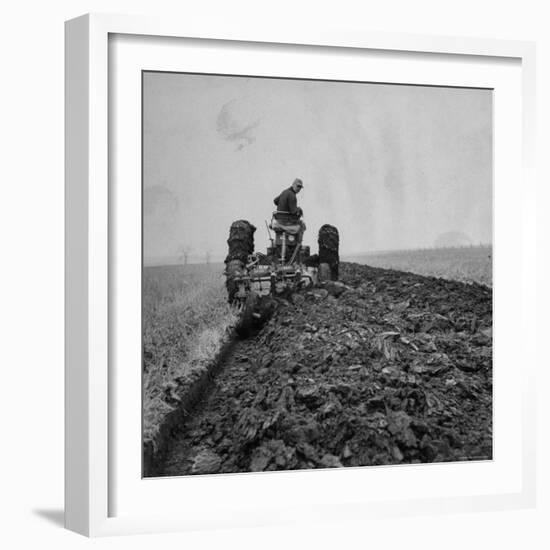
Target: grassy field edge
{"x": 186, "y": 324}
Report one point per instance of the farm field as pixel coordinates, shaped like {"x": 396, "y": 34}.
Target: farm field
{"x": 186, "y": 317}
{"x": 185, "y": 320}
{"x": 465, "y": 264}
{"x": 384, "y": 367}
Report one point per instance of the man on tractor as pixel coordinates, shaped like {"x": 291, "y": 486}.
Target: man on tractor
{"x": 288, "y": 212}
{"x": 287, "y": 266}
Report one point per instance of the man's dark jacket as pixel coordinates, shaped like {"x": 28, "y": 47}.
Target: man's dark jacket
{"x": 286, "y": 202}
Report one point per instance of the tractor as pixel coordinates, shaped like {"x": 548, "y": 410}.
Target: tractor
{"x": 253, "y": 279}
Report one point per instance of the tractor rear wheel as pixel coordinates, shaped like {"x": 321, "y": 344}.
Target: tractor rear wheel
{"x": 328, "y": 249}
{"x": 323, "y": 273}
{"x": 233, "y": 270}
{"x": 240, "y": 246}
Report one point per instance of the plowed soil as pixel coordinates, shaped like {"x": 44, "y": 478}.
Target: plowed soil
{"x": 384, "y": 367}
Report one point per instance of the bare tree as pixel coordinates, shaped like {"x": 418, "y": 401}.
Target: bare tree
{"x": 183, "y": 253}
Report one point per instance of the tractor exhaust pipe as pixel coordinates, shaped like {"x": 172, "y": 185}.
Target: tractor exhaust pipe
{"x": 269, "y": 233}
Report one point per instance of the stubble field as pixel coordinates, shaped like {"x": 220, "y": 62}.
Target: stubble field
{"x": 469, "y": 264}
{"x": 185, "y": 320}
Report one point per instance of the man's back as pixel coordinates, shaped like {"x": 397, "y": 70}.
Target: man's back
{"x": 288, "y": 211}
{"x": 286, "y": 202}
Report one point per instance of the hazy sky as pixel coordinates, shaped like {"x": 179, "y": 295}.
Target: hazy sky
{"x": 391, "y": 166}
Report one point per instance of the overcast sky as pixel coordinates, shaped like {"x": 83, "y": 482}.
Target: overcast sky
{"x": 393, "y": 167}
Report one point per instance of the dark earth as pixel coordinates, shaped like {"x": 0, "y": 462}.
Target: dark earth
{"x": 383, "y": 367}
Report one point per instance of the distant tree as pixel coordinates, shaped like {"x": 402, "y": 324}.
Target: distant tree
{"x": 183, "y": 253}
{"x": 452, "y": 239}
{"x": 208, "y": 256}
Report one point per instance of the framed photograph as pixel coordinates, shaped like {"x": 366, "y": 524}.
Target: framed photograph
{"x": 298, "y": 275}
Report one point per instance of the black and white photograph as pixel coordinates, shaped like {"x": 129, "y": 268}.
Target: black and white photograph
{"x": 276, "y": 275}
{"x": 316, "y": 274}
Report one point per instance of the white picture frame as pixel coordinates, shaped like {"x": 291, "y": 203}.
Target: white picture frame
{"x": 91, "y": 216}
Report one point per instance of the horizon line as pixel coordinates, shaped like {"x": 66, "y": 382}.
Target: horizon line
{"x": 156, "y": 261}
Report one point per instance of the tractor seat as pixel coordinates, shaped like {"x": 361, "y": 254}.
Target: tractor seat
{"x": 278, "y": 227}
